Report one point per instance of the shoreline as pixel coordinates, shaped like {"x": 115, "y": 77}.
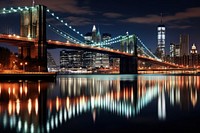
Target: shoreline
{"x": 28, "y": 75}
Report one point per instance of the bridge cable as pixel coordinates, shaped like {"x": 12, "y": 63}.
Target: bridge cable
{"x": 64, "y": 34}
{"x": 62, "y": 21}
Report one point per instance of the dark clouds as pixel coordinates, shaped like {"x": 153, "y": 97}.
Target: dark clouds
{"x": 139, "y": 17}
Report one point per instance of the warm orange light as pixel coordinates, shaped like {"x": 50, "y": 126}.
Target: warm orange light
{"x": 67, "y": 103}
{"x": 36, "y": 106}
{"x": 26, "y": 90}
{"x": 29, "y": 106}
{"x": 57, "y": 103}
{"x": 9, "y": 91}
{"x": 17, "y": 106}
{"x": 10, "y": 107}
{"x": 21, "y": 90}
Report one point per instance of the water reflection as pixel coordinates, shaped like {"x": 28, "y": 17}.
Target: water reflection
{"x": 29, "y": 106}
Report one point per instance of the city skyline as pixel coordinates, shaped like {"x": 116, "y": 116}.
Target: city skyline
{"x": 57, "y": 75}
{"x": 137, "y": 18}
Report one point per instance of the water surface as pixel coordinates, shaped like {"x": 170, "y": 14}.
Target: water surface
{"x": 101, "y": 103}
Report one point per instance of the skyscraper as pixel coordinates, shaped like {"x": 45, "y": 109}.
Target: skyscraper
{"x": 70, "y": 59}
{"x": 91, "y": 59}
{"x": 193, "y": 56}
{"x": 172, "y": 49}
{"x": 161, "y": 39}
{"x": 63, "y": 59}
{"x": 184, "y": 44}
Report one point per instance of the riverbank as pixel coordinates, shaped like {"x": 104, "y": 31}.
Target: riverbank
{"x": 27, "y": 75}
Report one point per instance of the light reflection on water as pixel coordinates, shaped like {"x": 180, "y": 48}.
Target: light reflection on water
{"x": 29, "y": 106}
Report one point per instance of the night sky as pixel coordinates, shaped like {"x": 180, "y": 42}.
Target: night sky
{"x": 116, "y": 17}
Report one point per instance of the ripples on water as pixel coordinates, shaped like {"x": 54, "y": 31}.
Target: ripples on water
{"x": 101, "y": 103}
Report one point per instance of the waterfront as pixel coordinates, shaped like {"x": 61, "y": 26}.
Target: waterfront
{"x": 101, "y": 103}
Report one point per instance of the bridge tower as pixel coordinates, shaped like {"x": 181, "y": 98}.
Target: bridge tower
{"x": 129, "y": 65}
{"x": 33, "y": 25}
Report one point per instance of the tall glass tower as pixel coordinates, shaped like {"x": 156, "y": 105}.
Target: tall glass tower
{"x": 161, "y": 39}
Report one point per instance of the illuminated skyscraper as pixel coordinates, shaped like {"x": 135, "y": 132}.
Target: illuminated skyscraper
{"x": 194, "y": 56}
{"x": 161, "y": 40}
{"x": 184, "y": 44}
{"x": 91, "y": 59}
{"x": 193, "y": 49}
{"x": 70, "y": 59}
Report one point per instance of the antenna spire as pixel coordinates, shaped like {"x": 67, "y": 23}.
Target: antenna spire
{"x": 161, "y": 14}
{"x": 33, "y": 3}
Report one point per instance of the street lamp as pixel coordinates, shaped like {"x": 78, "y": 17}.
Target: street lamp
{"x": 23, "y": 64}
{"x": 38, "y": 68}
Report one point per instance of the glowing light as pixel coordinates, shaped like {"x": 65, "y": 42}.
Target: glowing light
{"x": 60, "y": 116}
{"x": 48, "y": 127}
{"x": 25, "y": 126}
{"x": 65, "y": 115}
{"x": 26, "y": 90}
{"x": 9, "y": 91}
{"x": 5, "y": 120}
{"x": 57, "y": 103}
{"x": 19, "y": 125}
{"x": 10, "y": 107}
{"x": 36, "y": 106}
{"x": 67, "y": 103}
{"x": 17, "y": 106}
{"x": 39, "y": 87}
{"x": 29, "y": 106}
{"x": 32, "y": 128}
{"x": 52, "y": 123}
{"x": 20, "y": 89}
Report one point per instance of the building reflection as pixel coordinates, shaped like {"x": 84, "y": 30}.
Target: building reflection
{"x": 23, "y": 105}
{"x": 29, "y": 106}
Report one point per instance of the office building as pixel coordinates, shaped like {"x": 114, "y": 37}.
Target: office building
{"x": 91, "y": 59}
{"x": 172, "y": 50}
{"x": 70, "y": 59}
{"x": 193, "y": 56}
{"x": 184, "y": 44}
{"x": 161, "y": 40}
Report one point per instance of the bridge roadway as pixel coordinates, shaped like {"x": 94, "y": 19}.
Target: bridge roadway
{"x": 25, "y": 41}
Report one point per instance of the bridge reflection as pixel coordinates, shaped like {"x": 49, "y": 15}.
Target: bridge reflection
{"x": 27, "y": 106}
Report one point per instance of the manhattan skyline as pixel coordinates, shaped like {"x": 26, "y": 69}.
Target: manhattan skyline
{"x": 117, "y": 17}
